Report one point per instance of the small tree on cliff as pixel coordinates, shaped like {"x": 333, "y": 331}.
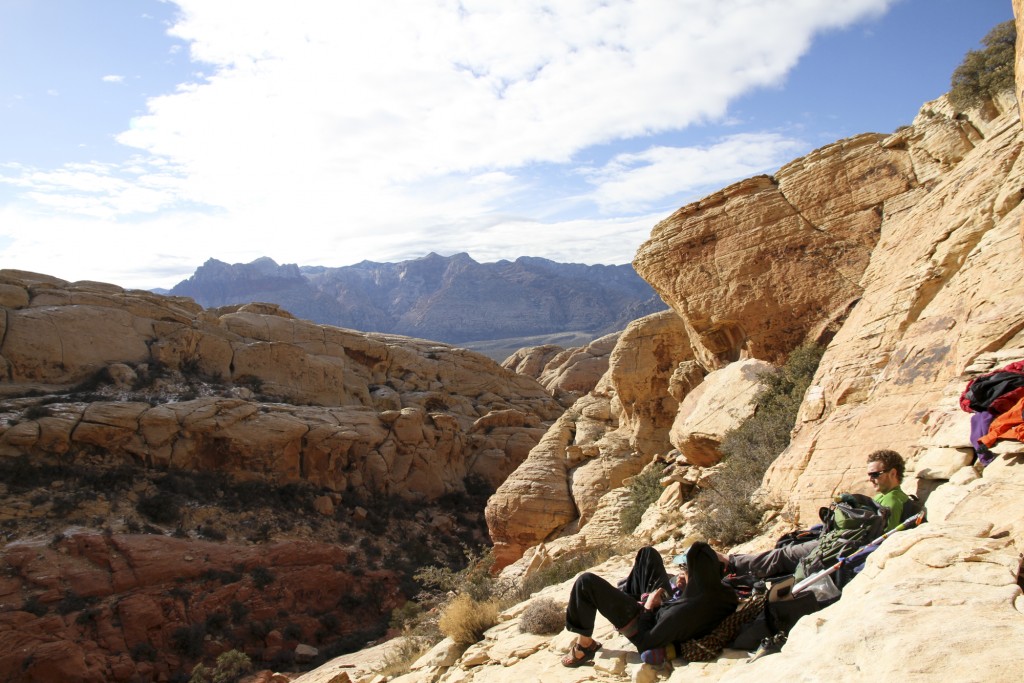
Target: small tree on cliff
{"x": 729, "y": 512}
{"x": 987, "y": 72}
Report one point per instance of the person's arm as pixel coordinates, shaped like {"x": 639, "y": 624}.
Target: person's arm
{"x": 653, "y": 601}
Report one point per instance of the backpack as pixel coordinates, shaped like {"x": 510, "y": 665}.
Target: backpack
{"x": 850, "y": 523}
{"x": 911, "y": 508}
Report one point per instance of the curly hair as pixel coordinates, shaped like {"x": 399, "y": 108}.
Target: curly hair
{"x": 890, "y": 460}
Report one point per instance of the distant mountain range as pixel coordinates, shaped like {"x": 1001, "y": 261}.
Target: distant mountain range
{"x": 452, "y": 299}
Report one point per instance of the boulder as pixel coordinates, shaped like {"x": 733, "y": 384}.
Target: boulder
{"x": 720, "y": 403}
{"x": 606, "y": 437}
{"x": 771, "y": 262}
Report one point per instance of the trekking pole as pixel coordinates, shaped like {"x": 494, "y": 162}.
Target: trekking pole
{"x": 902, "y": 526}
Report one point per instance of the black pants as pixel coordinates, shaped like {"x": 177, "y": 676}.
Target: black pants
{"x": 592, "y": 594}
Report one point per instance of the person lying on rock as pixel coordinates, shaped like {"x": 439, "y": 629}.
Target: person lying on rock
{"x": 885, "y": 473}
{"x": 648, "y": 608}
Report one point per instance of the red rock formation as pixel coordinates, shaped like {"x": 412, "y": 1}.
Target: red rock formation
{"x": 94, "y": 607}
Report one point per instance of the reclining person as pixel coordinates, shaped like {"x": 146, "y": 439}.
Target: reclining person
{"x": 668, "y": 614}
{"x": 885, "y": 472}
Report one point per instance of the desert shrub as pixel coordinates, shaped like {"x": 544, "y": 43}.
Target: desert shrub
{"x": 147, "y": 374}
{"x": 72, "y": 602}
{"x": 108, "y": 479}
{"x": 93, "y": 381}
{"x": 36, "y": 412}
{"x": 239, "y": 611}
{"x": 415, "y": 621}
{"x": 728, "y": 510}
{"x": 20, "y": 474}
{"x": 644, "y": 489}
{"x": 292, "y": 632}
{"x": 260, "y": 629}
{"x": 188, "y": 640}
{"x": 475, "y": 579}
{"x": 190, "y": 367}
{"x": 230, "y": 667}
{"x": 442, "y": 587}
{"x": 542, "y": 616}
{"x": 201, "y": 674}
{"x": 465, "y": 619}
{"x": 406, "y": 617}
{"x": 33, "y": 606}
{"x": 87, "y": 617}
{"x": 143, "y": 652}
{"x": 211, "y": 532}
{"x": 562, "y": 569}
{"x": 987, "y": 72}
{"x": 161, "y": 508}
{"x": 64, "y": 504}
{"x": 254, "y": 383}
{"x": 225, "y": 576}
{"x": 261, "y": 577}
{"x": 216, "y": 622}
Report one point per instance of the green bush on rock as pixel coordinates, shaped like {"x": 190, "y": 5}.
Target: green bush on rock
{"x": 987, "y": 72}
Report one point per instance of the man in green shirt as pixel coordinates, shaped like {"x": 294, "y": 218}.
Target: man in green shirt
{"x": 885, "y": 472}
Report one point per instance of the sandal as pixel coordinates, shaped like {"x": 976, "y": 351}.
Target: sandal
{"x": 586, "y": 654}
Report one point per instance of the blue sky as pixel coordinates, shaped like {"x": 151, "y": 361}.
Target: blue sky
{"x": 140, "y": 137}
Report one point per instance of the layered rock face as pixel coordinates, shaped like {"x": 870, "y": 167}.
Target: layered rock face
{"x": 349, "y": 412}
{"x": 943, "y": 287}
{"x": 770, "y": 262}
{"x": 606, "y": 437}
{"x": 567, "y": 373}
{"x": 889, "y": 249}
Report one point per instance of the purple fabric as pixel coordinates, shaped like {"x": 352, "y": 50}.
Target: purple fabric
{"x": 980, "y": 423}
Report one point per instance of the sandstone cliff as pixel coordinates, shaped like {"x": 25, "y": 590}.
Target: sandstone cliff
{"x": 902, "y": 253}
{"x": 347, "y": 411}
{"x": 821, "y": 250}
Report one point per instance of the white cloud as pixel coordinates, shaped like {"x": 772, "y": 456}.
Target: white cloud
{"x": 99, "y": 190}
{"x": 317, "y": 98}
{"x": 113, "y": 78}
{"x": 634, "y": 180}
{"x": 329, "y": 132}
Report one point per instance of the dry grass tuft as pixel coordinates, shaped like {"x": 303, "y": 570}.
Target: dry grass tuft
{"x": 403, "y": 655}
{"x": 464, "y": 619}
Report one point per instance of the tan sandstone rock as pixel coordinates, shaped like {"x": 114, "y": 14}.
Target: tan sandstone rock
{"x": 720, "y": 403}
{"x": 606, "y": 436}
{"x": 940, "y": 291}
{"x": 769, "y": 262}
{"x": 298, "y": 401}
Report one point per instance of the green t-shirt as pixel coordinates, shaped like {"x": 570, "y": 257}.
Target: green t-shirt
{"x": 893, "y": 500}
